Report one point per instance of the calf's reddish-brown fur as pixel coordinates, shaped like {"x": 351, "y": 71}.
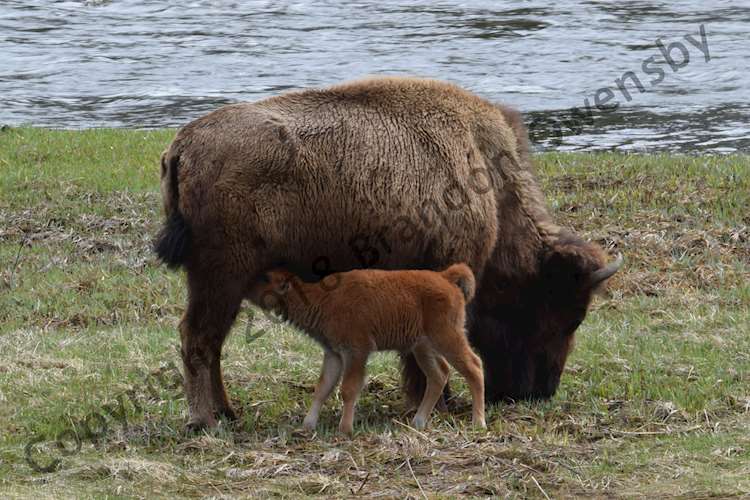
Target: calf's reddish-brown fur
{"x": 416, "y": 312}
{"x": 389, "y": 173}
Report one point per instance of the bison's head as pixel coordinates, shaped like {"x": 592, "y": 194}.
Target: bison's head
{"x": 526, "y": 327}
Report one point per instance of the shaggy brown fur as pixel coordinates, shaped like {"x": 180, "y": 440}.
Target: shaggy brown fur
{"x": 416, "y": 312}
{"x": 393, "y": 173}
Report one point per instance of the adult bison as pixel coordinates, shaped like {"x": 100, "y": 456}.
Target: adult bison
{"x": 384, "y": 172}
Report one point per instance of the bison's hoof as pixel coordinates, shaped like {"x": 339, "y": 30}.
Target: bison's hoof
{"x": 194, "y": 426}
{"x": 228, "y": 413}
{"x": 441, "y": 405}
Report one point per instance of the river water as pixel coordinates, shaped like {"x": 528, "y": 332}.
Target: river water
{"x": 146, "y": 63}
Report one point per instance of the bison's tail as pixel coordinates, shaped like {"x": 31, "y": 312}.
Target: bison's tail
{"x": 461, "y": 276}
{"x": 172, "y": 244}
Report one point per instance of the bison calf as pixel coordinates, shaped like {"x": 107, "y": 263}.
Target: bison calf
{"x": 354, "y": 313}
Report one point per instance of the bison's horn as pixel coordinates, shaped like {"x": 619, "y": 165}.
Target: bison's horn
{"x": 607, "y": 271}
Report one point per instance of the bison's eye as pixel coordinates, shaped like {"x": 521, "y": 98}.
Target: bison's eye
{"x": 264, "y": 278}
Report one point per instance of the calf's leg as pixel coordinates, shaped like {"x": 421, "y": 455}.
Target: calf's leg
{"x": 457, "y": 351}
{"x": 329, "y": 377}
{"x": 354, "y": 378}
{"x": 432, "y": 365}
{"x": 213, "y": 303}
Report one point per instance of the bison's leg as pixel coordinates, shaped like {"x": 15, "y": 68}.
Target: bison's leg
{"x": 222, "y": 406}
{"x": 213, "y": 303}
{"x": 435, "y": 370}
{"x": 329, "y": 377}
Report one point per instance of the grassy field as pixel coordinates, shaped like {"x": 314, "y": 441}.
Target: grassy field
{"x": 655, "y": 399}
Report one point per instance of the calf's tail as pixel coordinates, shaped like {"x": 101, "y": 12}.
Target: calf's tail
{"x": 172, "y": 244}
{"x": 461, "y": 276}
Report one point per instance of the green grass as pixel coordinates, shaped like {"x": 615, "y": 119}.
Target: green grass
{"x": 655, "y": 400}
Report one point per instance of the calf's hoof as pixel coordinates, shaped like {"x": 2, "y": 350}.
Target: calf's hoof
{"x": 419, "y": 422}
{"x": 346, "y": 429}
{"x": 309, "y": 424}
{"x": 480, "y": 423}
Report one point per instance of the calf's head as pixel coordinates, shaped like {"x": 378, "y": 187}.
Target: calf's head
{"x": 269, "y": 291}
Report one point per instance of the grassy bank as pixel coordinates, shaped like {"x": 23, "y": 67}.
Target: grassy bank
{"x": 655, "y": 399}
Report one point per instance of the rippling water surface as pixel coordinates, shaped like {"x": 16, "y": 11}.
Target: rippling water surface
{"x": 128, "y": 63}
